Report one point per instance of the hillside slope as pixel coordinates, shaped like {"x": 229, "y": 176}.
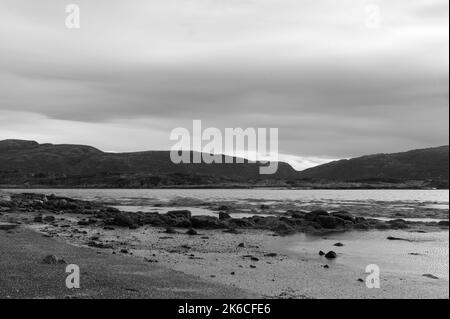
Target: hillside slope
{"x": 430, "y": 164}
{"x": 29, "y": 163}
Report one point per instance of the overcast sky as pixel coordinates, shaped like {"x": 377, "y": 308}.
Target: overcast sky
{"x": 336, "y": 81}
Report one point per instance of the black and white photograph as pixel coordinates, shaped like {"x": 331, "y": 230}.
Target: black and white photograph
{"x": 263, "y": 152}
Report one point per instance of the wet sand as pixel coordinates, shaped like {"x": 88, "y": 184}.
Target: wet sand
{"x": 103, "y": 275}
{"x": 260, "y": 266}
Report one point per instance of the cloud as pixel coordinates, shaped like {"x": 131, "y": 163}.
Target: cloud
{"x": 313, "y": 69}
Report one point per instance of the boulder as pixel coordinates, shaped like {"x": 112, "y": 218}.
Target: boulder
{"x": 345, "y": 216}
{"x": 180, "y": 214}
{"x": 316, "y": 213}
{"x": 443, "y": 223}
{"x": 331, "y": 255}
{"x": 192, "y": 232}
{"x": 206, "y": 222}
{"x": 124, "y": 220}
{"x": 224, "y": 216}
{"x": 329, "y": 222}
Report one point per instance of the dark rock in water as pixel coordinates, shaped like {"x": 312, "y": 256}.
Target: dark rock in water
{"x": 331, "y": 255}
{"x": 326, "y": 266}
{"x": 362, "y": 226}
{"x": 254, "y": 258}
{"x": 49, "y": 219}
{"x": 321, "y": 253}
{"x": 241, "y": 245}
{"x": 360, "y": 280}
{"x": 192, "y": 232}
{"x": 124, "y": 251}
{"x": 398, "y": 224}
{"x": 53, "y": 260}
{"x": 206, "y": 222}
{"x": 430, "y": 276}
{"x": 344, "y": 215}
{"x": 396, "y": 238}
{"x": 180, "y": 214}
{"x": 224, "y": 216}
{"x": 271, "y": 255}
{"x": 232, "y": 273}
{"x": 297, "y": 214}
{"x": 443, "y": 223}
{"x": 338, "y": 244}
{"x": 314, "y": 214}
{"x": 330, "y": 222}
{"x": 252, "y": 266}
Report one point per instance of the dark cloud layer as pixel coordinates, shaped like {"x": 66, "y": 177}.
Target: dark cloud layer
{"x": 332, "y": 85}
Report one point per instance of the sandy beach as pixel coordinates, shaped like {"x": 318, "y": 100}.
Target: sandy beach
{"x": 247, "y": 264}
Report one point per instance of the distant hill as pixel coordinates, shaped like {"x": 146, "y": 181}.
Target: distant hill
{"x": 430, "y": 164}
{"x": 32, "y": 164}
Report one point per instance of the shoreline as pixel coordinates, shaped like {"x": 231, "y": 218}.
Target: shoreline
{"x": 244, "y": 259}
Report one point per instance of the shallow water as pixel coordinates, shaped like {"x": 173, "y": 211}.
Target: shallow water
{"x": 438, "y": 197}
{"x": 423, "y": 253}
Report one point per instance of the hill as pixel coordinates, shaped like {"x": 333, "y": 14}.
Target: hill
{"x": 430, "y": 164}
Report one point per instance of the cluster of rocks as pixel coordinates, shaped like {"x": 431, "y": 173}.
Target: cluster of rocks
{"x": 108, "y": 217}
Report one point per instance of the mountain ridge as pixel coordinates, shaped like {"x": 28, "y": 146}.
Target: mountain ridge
{"x": 30, "y": 164}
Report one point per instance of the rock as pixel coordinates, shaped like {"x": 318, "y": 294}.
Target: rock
{"x": 316, "y": 213}
{"x": 254, "y": 258}
{"x": 206, "y": 222}
{"x": 252, "y": 266}
{"x": 330, "y": 222}
{"x": 345, "y": 216}
{"x": 271, "y": 255}
{"x": 331, "y": 255}
{"x": 321, "y": 253}
{"x": 430, "y": 276}
{"x": 53, "y": 260}
{"x": 232, "y": 273}
{"x": 124, "y": 251}
{"x": 326, "y": 266}
{"x": 192, "y": 232}
{"x": 241, "y": 245}
{"x": 180, "y": 214}
{"x": 443, "y": 223}
{"x": 360, "y": 280}
{"x": 224, "y": 216}
{"x": 338, "y": 244}
{"x": 396, "y": 238}
{"x": 123, "y": 220}
{"x": 398, "y": 224}
{"x": 282, "y": 228}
